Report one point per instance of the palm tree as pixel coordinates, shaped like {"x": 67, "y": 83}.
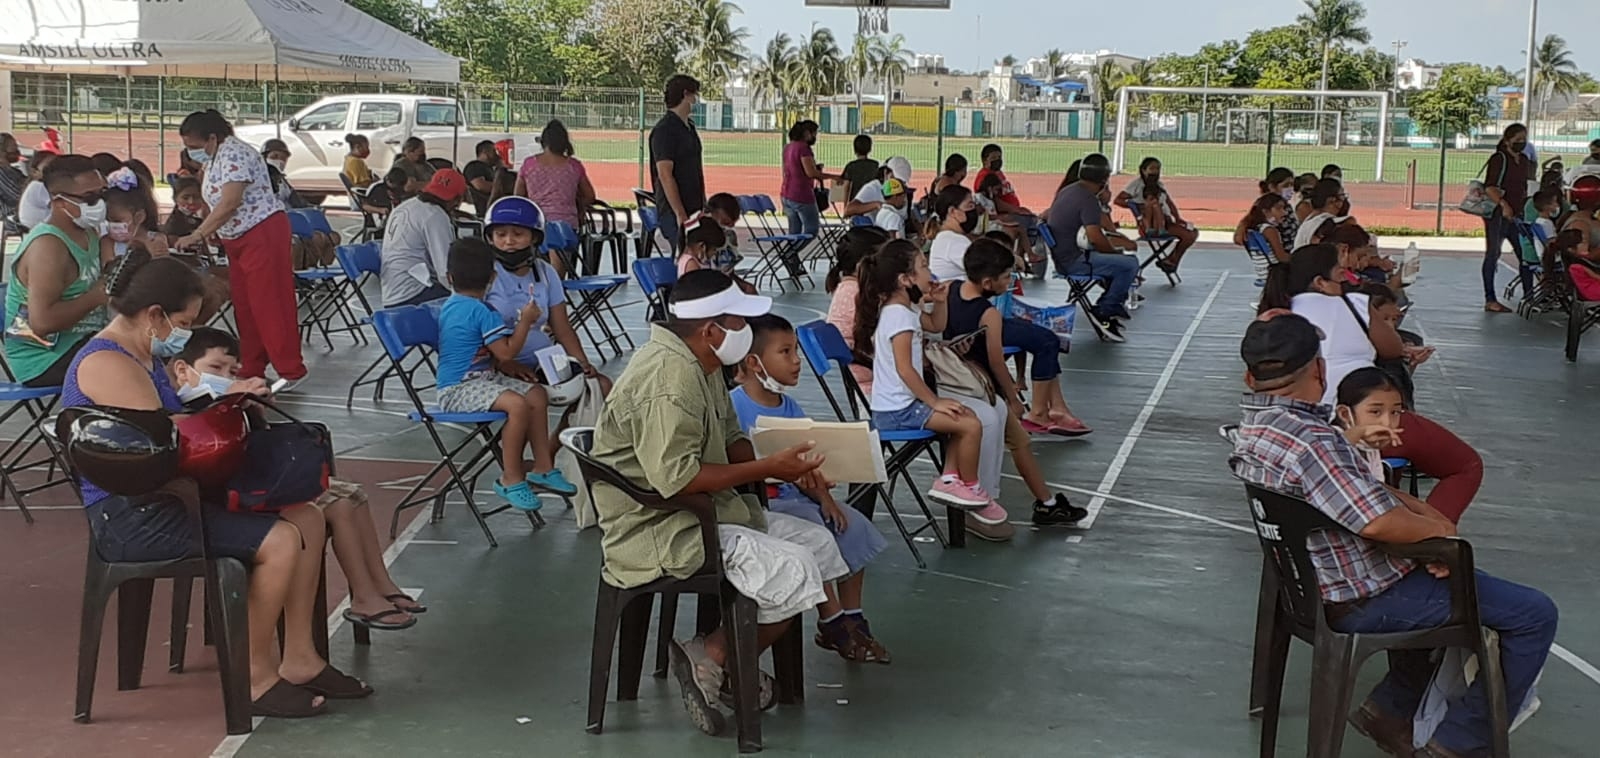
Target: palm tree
{"x": 861, "y": 64}
{"x": 893, "y": 59}
{"x": 1108, "y": 78}
{"x": 1008, "y": 61}
{"x": 1553, "y": 71}
{"x": 770, "y": 75}
{"x": 1055, "y": 61}
{"x": 717, "y": 47}
{"x": 1329, "y": 23}
{"x": 818, "y": 67}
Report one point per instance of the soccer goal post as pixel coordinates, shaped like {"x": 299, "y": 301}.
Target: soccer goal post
{"x": 1303, "y": 125}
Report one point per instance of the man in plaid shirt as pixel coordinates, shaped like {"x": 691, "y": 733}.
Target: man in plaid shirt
{"x": 1287, "y": 444}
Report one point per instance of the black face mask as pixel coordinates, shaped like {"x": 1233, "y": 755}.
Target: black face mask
{"x": 970, "y": 223}
{"x": 1349, "y": 288}
{"x": 514, "y": 259}
{"x": 995, "y": 164}
{"x": 1517, "y": 147}
{"x": 915, "y": 293}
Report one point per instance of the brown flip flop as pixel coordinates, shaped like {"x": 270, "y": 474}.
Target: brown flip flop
{"x": 334, "y": 684}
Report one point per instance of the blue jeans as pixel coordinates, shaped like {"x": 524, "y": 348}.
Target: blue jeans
{"x": 1498, "y": 230}
{"x": 1524, "y": 617}
{"x": 1121, "y": 269}
{"x": 804, "y": 218}
{"x": 1038, "y": 342}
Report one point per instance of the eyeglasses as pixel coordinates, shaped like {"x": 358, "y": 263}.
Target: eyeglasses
{"x": 84, "y": 197}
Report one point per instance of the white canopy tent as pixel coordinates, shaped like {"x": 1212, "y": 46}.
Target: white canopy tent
{"x": 284, "y": 40}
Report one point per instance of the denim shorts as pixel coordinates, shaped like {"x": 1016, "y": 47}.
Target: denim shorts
{"x": 913, "y": 416}
{"x": 157, "y": 528}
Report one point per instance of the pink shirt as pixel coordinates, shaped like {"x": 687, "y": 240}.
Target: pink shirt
{"x": 842, "y": 314}
{"x": 797, "y": 186}
{"x": 554, "y": 188}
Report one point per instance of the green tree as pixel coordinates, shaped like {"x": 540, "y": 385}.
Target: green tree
{"x": 510, "y": 40}
{"x": 1008, "y": 61}
{"x": 717, "y": 47}
{"x": 409, "y": 16}
{"x": 1458, "y": 104}
{"x": 642, "y": 38}
{"x": 1333, "y": 23}
{"x": 1107, "y": 80}
{"x": 818, "y": 68}
{"x": 1554, "y": 72}
{"x": 893, "y": 62}
{"x": 770, "y": 74}
{"x": 861, "y": 64}
{"x": 1055, "y": 62}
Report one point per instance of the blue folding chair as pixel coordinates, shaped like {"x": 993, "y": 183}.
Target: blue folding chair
{"x": 412, "y": 327}
{"x": 1160, "y": 245}
{"x": 1261, "y": 255}
{"x": 561, "y": 244}
{"x": 322, "y": 291}
{"x": 36, "y": 403}
{"x": 590, "y": 296}
{"x": 862, "y": 221}
{"x": 780, "y": 251}
{"x": 360, "y": 264}
{"x": 825, "y": 350}
{"x": 656, "y": 276}
{"x": 1081, "y": 286}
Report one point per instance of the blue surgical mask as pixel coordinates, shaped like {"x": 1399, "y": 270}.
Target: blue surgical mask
{"x": 217, "y": 385}
{"x": 199, "y": 155}
{"x": 168, "y": 348}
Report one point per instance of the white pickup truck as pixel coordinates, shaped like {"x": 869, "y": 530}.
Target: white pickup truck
{"x": 316, "y": 135}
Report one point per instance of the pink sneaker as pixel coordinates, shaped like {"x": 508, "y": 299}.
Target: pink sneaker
{"x": 991, "y": 514}
{"x": 952, "y": 491}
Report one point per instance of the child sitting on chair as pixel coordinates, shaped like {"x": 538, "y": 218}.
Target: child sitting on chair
{"x": 188, "y": 210}
{"x": 892, "y": 216}
{"x": 1153, "y": 217}
{"x": 724, "y": 209}
{"x": 471, "y": 336}
{"x": 703, "y": 237}
{"x": 206, "y": 368}
{"x": 771, "y": 369}
{"x": 1369, "y": 410}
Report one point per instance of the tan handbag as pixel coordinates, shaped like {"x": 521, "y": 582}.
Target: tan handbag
{"x": 951, "y": 373}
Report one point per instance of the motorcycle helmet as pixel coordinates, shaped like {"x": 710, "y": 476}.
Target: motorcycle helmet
{"x": 124, "y": 452}
{"x": 514, "y": 210}
{"x": 211, "y": 443}
{"x": 568, "y": 392}
{"x": 1586, "y": 192}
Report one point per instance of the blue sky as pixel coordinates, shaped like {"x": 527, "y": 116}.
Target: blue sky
{"x": 1492, "y": 32}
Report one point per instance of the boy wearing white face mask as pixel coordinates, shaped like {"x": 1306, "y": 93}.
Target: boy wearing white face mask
{"x": 55, "y": 301}
{"x": 306, "y": 253}
{"x": 771, "y": 369}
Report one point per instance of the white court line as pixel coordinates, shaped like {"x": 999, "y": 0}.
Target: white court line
{"x": 1121, "y": 459}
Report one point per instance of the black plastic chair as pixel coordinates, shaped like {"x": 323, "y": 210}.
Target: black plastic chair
{"x": 622, "y": 616}
{"x": 604, "y": 226}
{"x": 1291, "y": 604}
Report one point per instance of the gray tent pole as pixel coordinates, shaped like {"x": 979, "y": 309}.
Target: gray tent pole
{"x": 277, "y": 93}
{"x": 127, "y": 106}
{"x": 455, "y": 129}
{"x": 161, "y": 126}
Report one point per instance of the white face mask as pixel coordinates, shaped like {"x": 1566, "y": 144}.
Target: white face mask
{"x": 188, "y": 394}
{"x": 276, "y": 163}
{"x": 767, "y": 382}
{"x": 1287, "y": 193}
{"x": 91, "y": 216}
{"x": 735, "y": 344}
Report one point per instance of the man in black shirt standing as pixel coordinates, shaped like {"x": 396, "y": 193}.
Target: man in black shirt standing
{"x": 676, "y": 173}
{"x": 480, "y": 173}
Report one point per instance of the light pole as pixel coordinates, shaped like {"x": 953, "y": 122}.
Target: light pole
{"x": 1527, "y": 74}
{"x": 1205, "y": 98}
{"x": 1399, "y": 45}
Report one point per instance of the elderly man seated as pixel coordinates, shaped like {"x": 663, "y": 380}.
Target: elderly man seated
{"x": 1285, "y": 443}
{"x": 670, "y": 426}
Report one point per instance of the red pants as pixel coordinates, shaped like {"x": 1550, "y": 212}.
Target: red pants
{"x": 264, "y": 301}
{"x": 1439, "y": 453}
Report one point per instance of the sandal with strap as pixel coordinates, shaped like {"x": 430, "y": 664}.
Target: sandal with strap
{"x": 376, "y": 620}
{"x": 334, "y": 684}
{"x": 401, "y": 597}
{"x": 699, "y": 679}
{"x": 287, "y": 701}
{"x": 765, "y": 701}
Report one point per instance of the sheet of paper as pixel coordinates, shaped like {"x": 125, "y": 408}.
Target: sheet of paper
{"x": 851, "y": 450}
{"x": 555, "y": 363}
{"x": 421, "y": 273}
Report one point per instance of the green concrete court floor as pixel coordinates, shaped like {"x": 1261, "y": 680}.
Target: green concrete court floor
{"x": 1128, "y": 639}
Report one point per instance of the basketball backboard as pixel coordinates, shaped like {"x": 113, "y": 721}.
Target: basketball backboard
{"x": 874, "y": 14}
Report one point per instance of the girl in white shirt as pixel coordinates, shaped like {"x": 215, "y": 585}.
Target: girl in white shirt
{"x": 890, "y": 318}
{"x": 959, "y": 216}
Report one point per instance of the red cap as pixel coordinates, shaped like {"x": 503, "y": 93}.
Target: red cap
{"x": 447, "y": 184}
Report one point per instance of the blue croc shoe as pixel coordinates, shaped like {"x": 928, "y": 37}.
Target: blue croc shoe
{"x": 519, "y": 495}
{"x": 553, "y": 481}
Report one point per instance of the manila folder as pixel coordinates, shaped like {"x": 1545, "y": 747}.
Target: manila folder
{"x": 851, "y": 451}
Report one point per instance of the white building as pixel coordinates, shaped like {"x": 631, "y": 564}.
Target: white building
{"x": 1415, "y": 75}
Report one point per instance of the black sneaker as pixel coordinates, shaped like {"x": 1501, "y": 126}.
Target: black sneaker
{"x": 1057, "y": 512}
{"x": 1113, "y": 330}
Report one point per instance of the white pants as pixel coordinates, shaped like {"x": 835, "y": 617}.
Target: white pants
{"x": 783, "y": 568}
{"x": 992, "y": 453}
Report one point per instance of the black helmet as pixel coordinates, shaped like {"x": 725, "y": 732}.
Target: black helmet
{"x": 1095, "y": 168}
{"x": 122, "y": 451}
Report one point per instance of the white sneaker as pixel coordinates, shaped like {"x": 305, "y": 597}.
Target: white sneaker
{"x": 290, "y": 384}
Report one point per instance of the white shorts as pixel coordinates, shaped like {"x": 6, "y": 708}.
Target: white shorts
{"x": 783, "y": 568}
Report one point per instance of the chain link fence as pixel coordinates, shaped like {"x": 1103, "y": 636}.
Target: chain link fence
{"x": 1213, "y": 152}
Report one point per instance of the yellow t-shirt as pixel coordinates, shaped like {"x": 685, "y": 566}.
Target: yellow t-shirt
{"x": 357, "y": 170}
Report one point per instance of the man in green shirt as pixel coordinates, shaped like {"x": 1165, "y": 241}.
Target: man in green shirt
{"x": 56, "y": 299}
{"x": 670, "y": 426}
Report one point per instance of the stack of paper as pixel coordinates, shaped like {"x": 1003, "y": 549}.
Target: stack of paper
{"x": 851, "y": 451}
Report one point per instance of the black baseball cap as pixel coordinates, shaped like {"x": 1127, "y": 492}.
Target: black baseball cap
{"x": 1280, "y": 346}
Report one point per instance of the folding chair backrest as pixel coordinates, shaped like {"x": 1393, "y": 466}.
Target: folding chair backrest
{"x": 648, "y": 220}
{"x": 1048, "y": 236}
{"x": 406, "y": 327}
{"x": 766, "y": 204}
{"x": 300, "y": 223}
{"x": 360, "y": 260}
{"x": 318, "y": 220}
{"x": 748, "y": 204}
{"x": 644, "y": 197}
{"x": 655, "y": 274}
{"x": 862, "y": 221}
{"x": 825, "y": 348}
{"x": 1282, "y": 525}
{"x": 559, "y": 235}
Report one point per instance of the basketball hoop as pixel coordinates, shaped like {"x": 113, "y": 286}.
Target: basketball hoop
{"x": 873, "y": 15}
